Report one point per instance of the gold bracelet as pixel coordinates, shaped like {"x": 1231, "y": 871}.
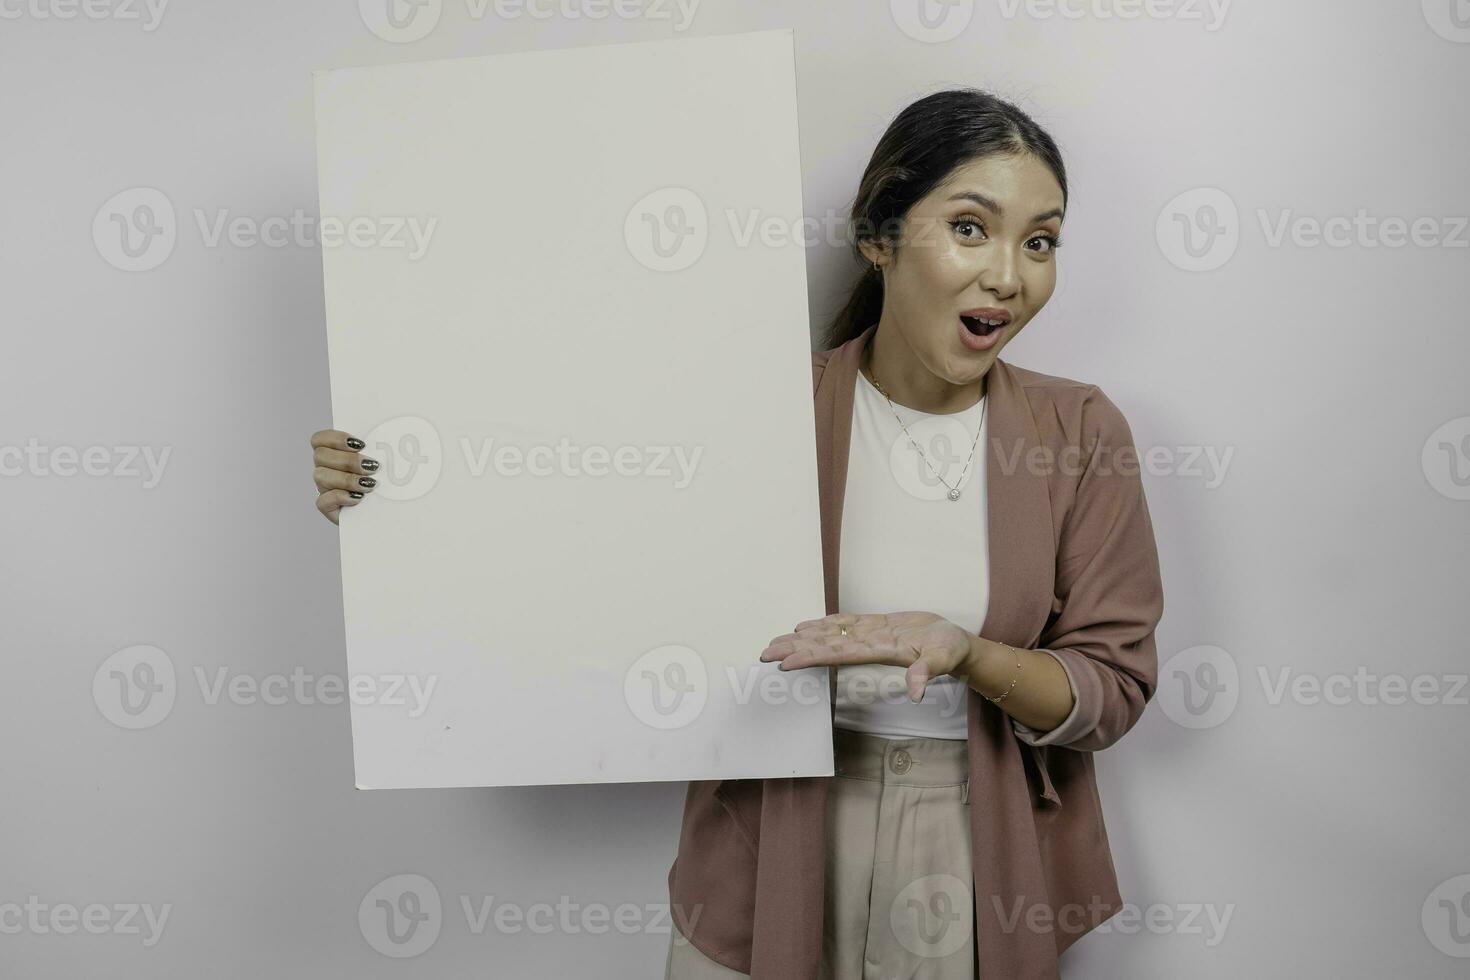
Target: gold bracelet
{"x": 1013, "y": 680}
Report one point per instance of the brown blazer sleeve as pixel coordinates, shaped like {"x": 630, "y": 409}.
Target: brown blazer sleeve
{"x": 1109, "y": 590}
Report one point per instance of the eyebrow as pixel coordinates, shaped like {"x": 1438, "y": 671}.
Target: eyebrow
{"x": 995, "y": 207}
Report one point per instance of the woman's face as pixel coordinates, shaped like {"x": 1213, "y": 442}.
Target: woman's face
{"x": 981, "y": 244}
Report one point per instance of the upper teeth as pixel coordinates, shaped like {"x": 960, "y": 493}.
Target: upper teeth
{"x": 987, "y": 322}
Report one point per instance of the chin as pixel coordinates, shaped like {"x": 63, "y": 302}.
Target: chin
{"x": 971, "y": 369}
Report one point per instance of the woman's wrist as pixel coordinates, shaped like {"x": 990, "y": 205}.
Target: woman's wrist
{"x": 990, "y": 667}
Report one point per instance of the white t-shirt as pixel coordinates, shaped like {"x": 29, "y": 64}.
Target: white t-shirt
{"x": 907, "y": 546}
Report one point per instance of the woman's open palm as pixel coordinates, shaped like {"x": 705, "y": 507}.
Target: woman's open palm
{"x": 927, "y": 645}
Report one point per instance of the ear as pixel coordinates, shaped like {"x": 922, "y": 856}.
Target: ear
{"x": 873, "y": 251}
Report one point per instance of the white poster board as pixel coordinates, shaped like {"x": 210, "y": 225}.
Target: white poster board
{"x": 590, "y": 393}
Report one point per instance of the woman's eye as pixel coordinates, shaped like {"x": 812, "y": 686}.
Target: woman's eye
{"x": 1050, "y": 241}
{"x": 971, "y": 223}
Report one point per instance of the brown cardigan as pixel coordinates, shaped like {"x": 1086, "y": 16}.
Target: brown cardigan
{"x": 1073, "y": 571}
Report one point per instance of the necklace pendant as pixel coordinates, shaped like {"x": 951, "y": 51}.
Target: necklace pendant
{"x": 954, "y": 495}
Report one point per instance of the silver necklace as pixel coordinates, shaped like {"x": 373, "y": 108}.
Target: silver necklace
{"x": 954, "y": 491}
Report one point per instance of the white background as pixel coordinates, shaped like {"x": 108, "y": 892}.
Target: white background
{"x": 1334, "y": 543}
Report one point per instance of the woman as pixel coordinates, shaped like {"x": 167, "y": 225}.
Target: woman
{"x": 999, "y": 604}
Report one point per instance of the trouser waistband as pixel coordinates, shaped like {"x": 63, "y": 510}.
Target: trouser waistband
{"x": 911, "y": 761}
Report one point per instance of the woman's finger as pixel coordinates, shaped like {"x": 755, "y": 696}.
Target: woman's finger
{"x": 824, "y": 651}
{"x": 918, "y": 676}
{"x": 335, "y": 439}
{"x": 332, "y": 502}
{"x": 832, "y": 623}
{"x": 329, "y": 479}
{"x": 347, "y": 462}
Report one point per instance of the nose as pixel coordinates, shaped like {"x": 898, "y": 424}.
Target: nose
{"x": 998, "y": 272}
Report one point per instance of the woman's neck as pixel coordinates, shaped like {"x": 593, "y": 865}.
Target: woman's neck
{"x": 888, "y": 358}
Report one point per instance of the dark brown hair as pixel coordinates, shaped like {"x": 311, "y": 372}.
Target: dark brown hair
{"x": 921, "y": 148}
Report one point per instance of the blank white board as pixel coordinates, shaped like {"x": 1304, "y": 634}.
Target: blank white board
{"x": 589, "y": 387}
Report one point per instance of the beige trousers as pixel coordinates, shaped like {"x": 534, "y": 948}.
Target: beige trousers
{"x": 899, "y": 901}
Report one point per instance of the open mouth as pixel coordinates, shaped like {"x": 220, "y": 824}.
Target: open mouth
{"x": 980, "y": 326}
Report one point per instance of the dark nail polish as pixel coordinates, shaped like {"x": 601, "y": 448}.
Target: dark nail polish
{"x": 366, "y": 481}
{"x": 354, "y": 493}
{"x": 355, "y": 443}
{"x": 371, "y": 465}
